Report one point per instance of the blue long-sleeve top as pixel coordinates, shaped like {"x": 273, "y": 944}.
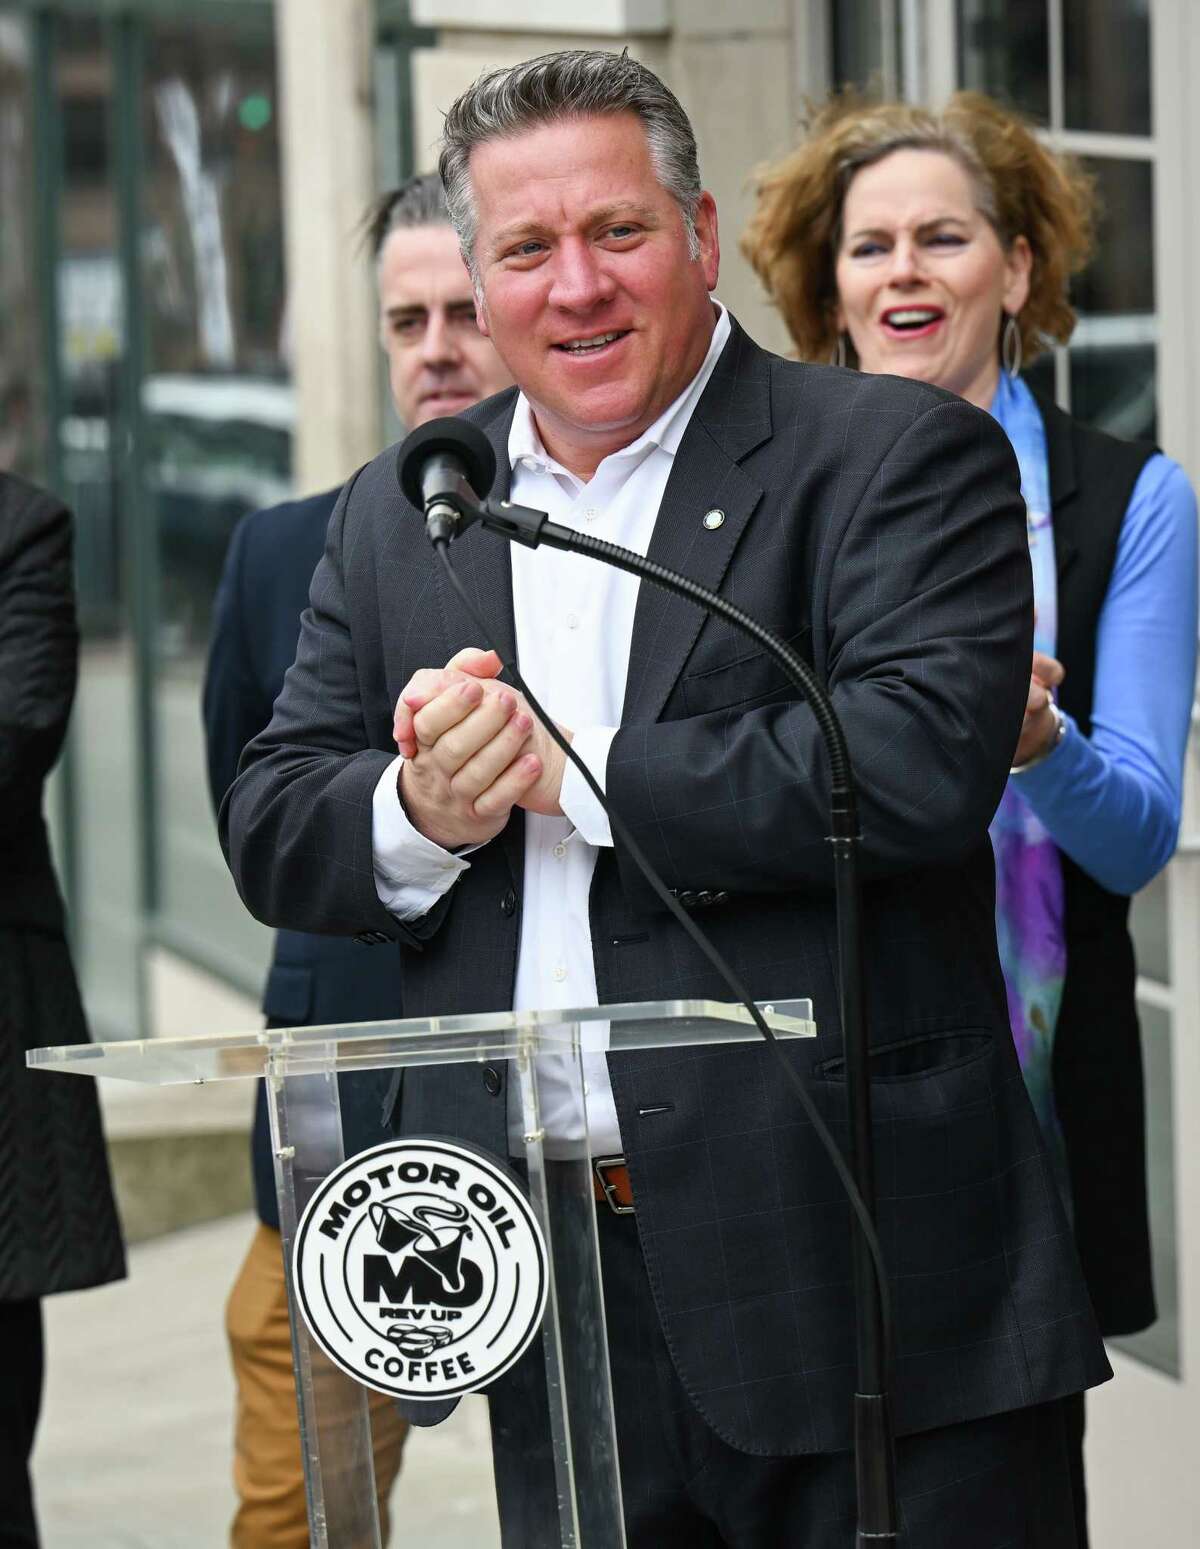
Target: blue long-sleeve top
{"x": 1112, "y": 801}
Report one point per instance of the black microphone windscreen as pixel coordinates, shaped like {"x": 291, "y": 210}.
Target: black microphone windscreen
{"x": 455, "y": 437}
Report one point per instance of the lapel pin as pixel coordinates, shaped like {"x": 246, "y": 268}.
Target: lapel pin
{"x": 713, "y": 519}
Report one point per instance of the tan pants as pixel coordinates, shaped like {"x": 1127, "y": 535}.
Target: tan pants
{"x": 267, "y": 1470}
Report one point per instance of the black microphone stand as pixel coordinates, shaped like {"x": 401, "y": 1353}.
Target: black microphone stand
{"x": 446, "y": 516}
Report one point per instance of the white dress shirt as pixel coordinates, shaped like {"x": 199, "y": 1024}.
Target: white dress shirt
{"x": 574, "y": 622}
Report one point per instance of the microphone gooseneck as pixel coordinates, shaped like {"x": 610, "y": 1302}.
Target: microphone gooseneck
{"x": 457, "y": 441}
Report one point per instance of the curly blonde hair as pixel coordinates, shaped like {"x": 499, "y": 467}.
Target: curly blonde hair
{"x": 1022, "y": 189}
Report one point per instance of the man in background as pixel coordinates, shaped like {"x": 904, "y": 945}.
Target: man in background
{"x": 438, "y": 363}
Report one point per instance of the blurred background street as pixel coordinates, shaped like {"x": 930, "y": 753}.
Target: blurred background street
{"x": 134, "y": 1449}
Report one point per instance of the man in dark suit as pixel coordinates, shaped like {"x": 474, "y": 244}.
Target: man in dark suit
{"x": 438, "y": 363}
{"x": 876, "y": 524}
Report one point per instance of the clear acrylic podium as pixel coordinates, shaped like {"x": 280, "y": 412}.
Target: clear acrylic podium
{"x": 301, "y": 1067}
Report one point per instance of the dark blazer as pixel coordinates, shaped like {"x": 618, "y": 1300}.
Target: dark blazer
{"x": 877, "y": 524}
{"x": 1098, "y": 1080}
{"x": 313, "y": 979}
{"x": 58, "y": 1224}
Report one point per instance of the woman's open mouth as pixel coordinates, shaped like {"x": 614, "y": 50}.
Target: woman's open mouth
{"x": 911, "y": 322}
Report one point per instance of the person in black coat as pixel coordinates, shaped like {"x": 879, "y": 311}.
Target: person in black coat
{"x": 58, "y": 1222}
{"x": 438, "y": 363}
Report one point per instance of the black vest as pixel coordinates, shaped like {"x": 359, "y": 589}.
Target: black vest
{"x": 1098, "y": 1085}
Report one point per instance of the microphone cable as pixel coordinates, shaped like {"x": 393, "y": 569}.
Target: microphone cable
{"x": 798, "y": 671}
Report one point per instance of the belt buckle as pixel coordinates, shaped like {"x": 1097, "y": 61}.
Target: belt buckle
{"x": 599, "y": 1163}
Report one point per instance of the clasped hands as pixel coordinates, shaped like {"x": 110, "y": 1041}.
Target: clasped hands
{"x": 473, "y": 750}
{"x": 1039, "y": 725}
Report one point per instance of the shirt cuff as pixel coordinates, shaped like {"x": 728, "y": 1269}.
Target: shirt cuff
{"x": 575, "y": 799}
{"x": 411, "y": 872}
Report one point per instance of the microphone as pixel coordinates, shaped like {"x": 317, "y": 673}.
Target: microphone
{"x": 445, "y": 468}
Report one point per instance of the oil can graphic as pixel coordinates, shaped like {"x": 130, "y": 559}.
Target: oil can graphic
{"x": 420, "y": 1268}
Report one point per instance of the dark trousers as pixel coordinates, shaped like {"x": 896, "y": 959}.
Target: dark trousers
{"x": 998, "y": 1483}
{"x": 20, "y": 1401}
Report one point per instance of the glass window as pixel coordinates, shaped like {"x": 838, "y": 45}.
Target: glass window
{"x": 21, "y": 390}
{"x": 107, "y": 870}
{"x": 1113, "y": 374}
{"x": 1040, "y": 375}
{"x": 1106, "y": 65}
{"x": 1120, "y": 276}
{"x": 1114, "y": 348}
{"x": 1148, "y": 926}
{"x": 1158, "y": 1346}
{"x": 1004, "y": 50}
{"x": 865, "y": 50}
{"x": 217, "y": 411}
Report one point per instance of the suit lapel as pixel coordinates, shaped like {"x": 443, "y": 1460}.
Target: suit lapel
{"x": 482, "y": 564}
{"x": 731, "y": 419}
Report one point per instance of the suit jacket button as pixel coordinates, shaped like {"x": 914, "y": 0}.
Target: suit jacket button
{"x": 508, "y": 904}
{"x": 687, "y": 898}
{"x": 705, "y": 898}
{"x": 492, "y": 1081}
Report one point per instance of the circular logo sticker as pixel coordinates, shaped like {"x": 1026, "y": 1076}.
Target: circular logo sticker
{"x": 420, "y": 1268}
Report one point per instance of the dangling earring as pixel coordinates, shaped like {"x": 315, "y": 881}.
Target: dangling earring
{"x": 839, "y": 350}
{"x": 1010, "y": 345}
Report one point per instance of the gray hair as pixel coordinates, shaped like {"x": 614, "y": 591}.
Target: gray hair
{"x": 419, "y": 202}
{"x": 575, "y": 83}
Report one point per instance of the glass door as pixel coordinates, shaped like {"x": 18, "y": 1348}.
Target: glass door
{"x": 22, "y": 379}
{"x": 87, "y": 458}
{"x": 143, "y": 333}
{"x": 216, "y": 407}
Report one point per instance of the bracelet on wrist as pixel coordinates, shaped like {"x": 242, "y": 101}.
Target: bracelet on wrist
{"x": 1060, "y": 731}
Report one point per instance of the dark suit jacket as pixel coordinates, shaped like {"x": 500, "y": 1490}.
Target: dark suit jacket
{"x": 1099, "y": 1090}
{"x": 58, "y": 1223}
{"x": 313, "y": 979}
{"x": 877, "y": 524}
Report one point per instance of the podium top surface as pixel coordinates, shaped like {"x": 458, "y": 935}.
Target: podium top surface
{"x": 291, "y": 1051}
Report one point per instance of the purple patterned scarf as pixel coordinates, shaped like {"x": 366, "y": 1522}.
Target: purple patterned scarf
{"x": 1029, "y": 882}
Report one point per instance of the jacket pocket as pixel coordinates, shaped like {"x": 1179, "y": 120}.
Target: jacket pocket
{"x": 288, "y": 996}
{"x": 924, "y": 1054}
{"x": 753, "y": 676}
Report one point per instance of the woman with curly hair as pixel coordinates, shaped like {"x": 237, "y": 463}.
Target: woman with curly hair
{"x": 939, "y": 246}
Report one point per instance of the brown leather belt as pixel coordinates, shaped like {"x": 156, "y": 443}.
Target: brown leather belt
{"x": 611, "y": 1185}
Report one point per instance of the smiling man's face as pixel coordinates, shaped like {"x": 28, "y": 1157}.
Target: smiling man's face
{"x": 438, "y": 361}
{"x": 587, "y": 287}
